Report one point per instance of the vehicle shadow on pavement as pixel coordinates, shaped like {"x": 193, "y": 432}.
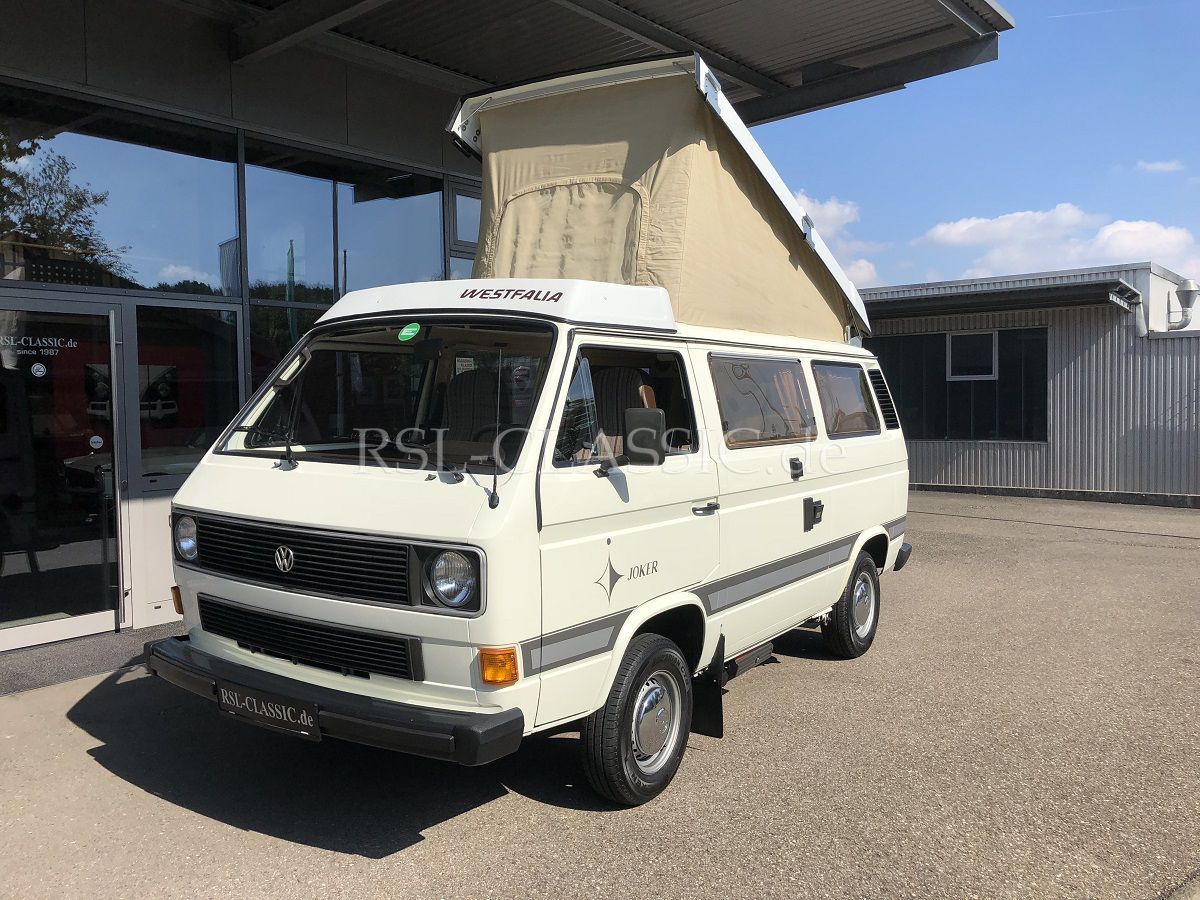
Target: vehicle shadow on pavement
{"x": 802, "y": 643}
{"x": 333, "y": 795}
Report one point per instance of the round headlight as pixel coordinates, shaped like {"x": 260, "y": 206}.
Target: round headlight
{"x": 452, "y": 578}
{"x": 185, "y": 538}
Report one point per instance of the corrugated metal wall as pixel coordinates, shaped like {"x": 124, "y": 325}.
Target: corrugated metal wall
{"x": 1124, "y": 411}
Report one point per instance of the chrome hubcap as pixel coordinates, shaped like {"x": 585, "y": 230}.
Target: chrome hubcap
{"x": 863, "y": 604}
{"x": 656, "y": 721}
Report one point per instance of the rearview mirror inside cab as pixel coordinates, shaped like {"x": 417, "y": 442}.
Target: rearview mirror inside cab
{"x": 645, "y": 436}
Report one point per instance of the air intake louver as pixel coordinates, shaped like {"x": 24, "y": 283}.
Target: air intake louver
{"x": 350, "y": 651}
{"x": 345, "y": 567}
{"x": 884, "y": 396}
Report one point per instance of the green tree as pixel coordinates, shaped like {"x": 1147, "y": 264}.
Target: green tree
{"x": 55, "y": 211}
{"x": 39, "y": 199}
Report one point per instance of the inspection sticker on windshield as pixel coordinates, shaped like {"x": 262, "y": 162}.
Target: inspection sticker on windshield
{"x": 408, "y": 332}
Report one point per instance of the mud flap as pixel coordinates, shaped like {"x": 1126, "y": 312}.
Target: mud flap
{"x": 708, "y": 717}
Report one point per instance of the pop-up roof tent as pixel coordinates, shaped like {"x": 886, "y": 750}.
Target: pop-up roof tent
{"x": 644, "y": 174}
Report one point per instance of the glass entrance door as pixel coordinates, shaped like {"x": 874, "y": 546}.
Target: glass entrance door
{"x": 60, "y": 572}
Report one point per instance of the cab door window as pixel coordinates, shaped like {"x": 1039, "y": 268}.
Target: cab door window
{"x": 607, "y": 381}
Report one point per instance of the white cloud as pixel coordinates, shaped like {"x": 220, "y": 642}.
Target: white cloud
{"x": 1029, "y": 226}
{"x": 862, "y": 272}
{"x": 1161, "y": 167}
{"x": 176, "y": 272}
{"x": 1065, "y": 237}
{"x": 830, "y": 216}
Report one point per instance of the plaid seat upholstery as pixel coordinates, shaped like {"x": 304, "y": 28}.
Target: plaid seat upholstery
{"x": 470, "y": 404}
{"x": 618, "y": 388}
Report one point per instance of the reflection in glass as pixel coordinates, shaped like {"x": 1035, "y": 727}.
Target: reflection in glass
{"x": 466, "y": 219}
{"x": 460, "y": 267}
{"x": 467, "y": 389}
{"x": 763, "y": 401}
{"x": 388, "y": 239}
{"x": 187, "y": 384}
{"x": 57, "y": 511}
{"x": 274, "y": 330}
{"x": 289, "y": 220}
{"x": 104, "y": 198}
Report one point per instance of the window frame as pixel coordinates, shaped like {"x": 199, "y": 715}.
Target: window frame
{"x": 452, "y": 189}
{"x": 1043, "y": 326}
{"x": 868, "y": 395}
{"x": 569, "y": 376}
{"x": 995, "y": 373}
{"x": 770, "y": 442}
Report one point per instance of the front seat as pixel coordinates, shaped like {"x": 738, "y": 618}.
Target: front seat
{"x": 618, "y": 388}
{"x": 470, "y": 405}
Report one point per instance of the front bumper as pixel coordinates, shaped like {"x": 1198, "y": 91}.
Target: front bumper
{"x": 471, "y": 739}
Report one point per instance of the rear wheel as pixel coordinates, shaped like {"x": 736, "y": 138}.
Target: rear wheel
{"x": 854, "y": 619}
{"x": 633, "y": 745}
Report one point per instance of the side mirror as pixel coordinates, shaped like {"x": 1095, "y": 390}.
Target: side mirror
{"x": 645, "y": 436}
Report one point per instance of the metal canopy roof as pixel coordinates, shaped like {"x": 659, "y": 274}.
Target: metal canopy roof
{"x": 775, "y": 57}
{"x": 1071, "y": 287}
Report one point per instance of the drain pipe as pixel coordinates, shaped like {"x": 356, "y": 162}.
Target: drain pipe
{"x": 1187, "y": 293}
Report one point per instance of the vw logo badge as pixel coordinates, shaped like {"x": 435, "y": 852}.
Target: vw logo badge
{"x": 284, "y": 559}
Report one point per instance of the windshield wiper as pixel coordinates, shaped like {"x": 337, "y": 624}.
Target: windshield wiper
{"x": 494, "y": 498}
{"x": 270, "y": 433}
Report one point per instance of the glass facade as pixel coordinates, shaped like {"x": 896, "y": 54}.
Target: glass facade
{"x": 152, "y": 273}
{"x": 187, "y": 384}
{"x": 99, "y": 198}
{"x": 289, "y": 225}
{"x": 387, "y": 239}
{"x": 58, "y": 553}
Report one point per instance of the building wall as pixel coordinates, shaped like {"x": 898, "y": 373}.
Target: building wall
{"x": 163, "y": 55}
{"x": 1124, "y": 411}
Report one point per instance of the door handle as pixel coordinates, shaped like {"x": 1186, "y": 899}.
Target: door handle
{"x": 707, "y": 509}
{"x": 796, "y": 468}
{"x": 814, "y": 511}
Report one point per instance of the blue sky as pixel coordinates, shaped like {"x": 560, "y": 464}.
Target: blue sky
{"x": 1079, "y": 147}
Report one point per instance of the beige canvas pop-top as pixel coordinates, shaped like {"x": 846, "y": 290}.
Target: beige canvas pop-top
{"x": 643, "y": 174}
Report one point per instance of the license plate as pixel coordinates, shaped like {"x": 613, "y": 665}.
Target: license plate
{"x": 271, "y": 710}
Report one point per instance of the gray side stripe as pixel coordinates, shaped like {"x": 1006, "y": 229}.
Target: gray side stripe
{"x": 896, "y": 528}
{"x": 727, "y": 592}
{"x": 600, "y": 635}
{"x": 572, "y": 644}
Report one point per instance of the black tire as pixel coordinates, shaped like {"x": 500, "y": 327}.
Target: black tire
{"x": 846, "y": 636}
{"x": 611, "y": 760}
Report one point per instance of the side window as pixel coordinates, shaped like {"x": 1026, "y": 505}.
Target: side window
{"x": 845, "y": 399}
{"x": 606, "y": 382}
{"x": 762, "y": 401}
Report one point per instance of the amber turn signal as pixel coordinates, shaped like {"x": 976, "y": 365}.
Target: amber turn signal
{"x": 499, "y": 665}
{"x": 177, "y": 599}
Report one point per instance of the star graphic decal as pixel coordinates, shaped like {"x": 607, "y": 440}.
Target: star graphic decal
{"x": 608, "y": 578}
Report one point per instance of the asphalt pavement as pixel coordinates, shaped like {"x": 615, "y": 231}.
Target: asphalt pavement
{"x": 1027, "y": 724}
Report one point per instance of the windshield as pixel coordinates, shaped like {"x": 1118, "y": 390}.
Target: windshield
{"x": 442, "y": 393}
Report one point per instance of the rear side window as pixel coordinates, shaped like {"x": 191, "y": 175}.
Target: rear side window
{"x": 845, "y": 399}
{"x": 762, "y": 401}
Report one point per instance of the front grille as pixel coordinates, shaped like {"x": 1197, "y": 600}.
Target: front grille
{"x": 328, "y": 565}
{"x": 884, "y": 396}
{"x": 303, "y": 641}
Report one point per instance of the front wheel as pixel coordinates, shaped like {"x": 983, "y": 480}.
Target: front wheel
{"x": 633, "y": 745}
{"x": 854, "y": 619}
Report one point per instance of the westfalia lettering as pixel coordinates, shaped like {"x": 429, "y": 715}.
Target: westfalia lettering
{"x": 511, "y": 294}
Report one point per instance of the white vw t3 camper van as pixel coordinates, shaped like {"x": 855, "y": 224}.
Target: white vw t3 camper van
{"x": 588, "y": 486}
